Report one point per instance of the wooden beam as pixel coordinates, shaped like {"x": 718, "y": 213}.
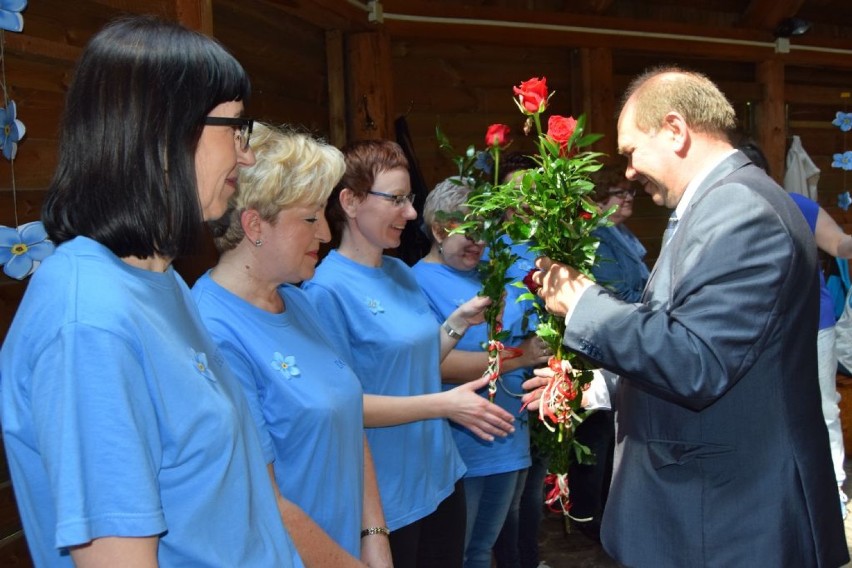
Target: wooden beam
{"x": 450, "y": 22}
{"x": 599, "y": 97}
{"x": 771, "y": 116}
{"x": 195, "y": 14}
{"x": 420, "y": 10}
{"x": 600, "y": 6}
{"x": 29, "y": 46}
{"x": 765, "y": 14}
{"x": 162, "y": 9}
{"x": 325, "y": 14}
{"x": 370, "y": 86}
{"x": 336, "y": 87}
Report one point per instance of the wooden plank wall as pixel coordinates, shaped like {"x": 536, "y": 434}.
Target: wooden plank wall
{"x": 462, "y": 85}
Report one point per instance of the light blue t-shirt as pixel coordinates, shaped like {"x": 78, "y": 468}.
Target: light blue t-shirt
{"x": 448, "y": 288}
{"x": 381, "y": 319}
{"x": 120, "y": 419}
{"x": 307, "y": 403}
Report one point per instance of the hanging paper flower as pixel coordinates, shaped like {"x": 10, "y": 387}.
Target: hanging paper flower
{"x": 843, "y": 121}
{"x": 13, "y": 129}
{"x": 23, "y": 249}
{"x": 10, "y": 15}
{"x": 843, "y": 160}
{"x": 844, "y": 200}
{"x": 285, "y": 365}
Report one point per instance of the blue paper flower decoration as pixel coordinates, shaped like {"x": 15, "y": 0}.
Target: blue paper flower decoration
{"x": 10, "y": 15}
{"x": 844, "y": 200}
{"x": 843, "y": 160}
{"x": 285, "y": 365}
{"x": 22, "y": 249}
{"x": 13, "y": 130}
{"x": 843, "y": 121}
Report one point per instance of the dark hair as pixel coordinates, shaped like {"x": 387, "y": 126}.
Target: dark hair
{"x": 133, "y": 117}
{"x": 609, "y": 176}
{"x": 513, "y": 162}
{"x": 365, "y": 160}
{"x": 750, "y": 148}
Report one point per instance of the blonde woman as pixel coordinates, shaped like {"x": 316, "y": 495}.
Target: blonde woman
{"x": 306, "y": 401}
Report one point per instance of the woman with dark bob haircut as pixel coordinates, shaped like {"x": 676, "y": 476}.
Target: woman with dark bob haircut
{"x": 128, "y": 440}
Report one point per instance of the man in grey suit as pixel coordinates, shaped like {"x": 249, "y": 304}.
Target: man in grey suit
{"x": 722, "y": 455}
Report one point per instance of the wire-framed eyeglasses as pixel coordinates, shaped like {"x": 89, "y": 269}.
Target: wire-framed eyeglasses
{"x": 622, "y": 193}
{"x": 397, "y": 200}
{"x": 242, "y": 127}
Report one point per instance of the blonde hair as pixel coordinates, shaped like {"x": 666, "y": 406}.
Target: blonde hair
{"x": 291, "y": 167}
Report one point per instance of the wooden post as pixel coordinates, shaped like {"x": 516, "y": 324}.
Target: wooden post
{"x": 598, "y": 97}
{"x": 195, "y": 14}
{"x": 336, "y": 87}
{"x": 771, "y": 116}
{"x": 369, "y": 86}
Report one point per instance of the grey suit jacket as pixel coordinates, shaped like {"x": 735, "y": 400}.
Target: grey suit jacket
{"x": 722, "y": 454}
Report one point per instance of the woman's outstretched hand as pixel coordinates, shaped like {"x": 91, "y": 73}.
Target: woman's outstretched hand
{"x": 473, "y": 411}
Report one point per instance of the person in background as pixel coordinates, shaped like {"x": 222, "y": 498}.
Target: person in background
{"x": 129, "y": 441}
{"x": 831, "y": 239}
{"x": 306, "y": 402}
{"x": 620, "y": 264}
{"x": 376, "y": 313}
{"x": 447, "y": 274}
{"x": 722, "y": 457}
{"x": 517, "y": 544}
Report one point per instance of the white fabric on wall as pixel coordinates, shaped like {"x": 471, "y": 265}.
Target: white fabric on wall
{"x": 802, "y": 175}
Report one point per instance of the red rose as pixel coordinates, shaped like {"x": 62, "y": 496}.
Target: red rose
{"x": 497, "y": 135}
{"x": 532, "y": 94}
{"x": 560, "y": 129}
{"x": 528, "y": 281}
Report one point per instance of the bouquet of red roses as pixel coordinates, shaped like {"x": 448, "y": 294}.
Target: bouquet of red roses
{"x": 556, "y": 216}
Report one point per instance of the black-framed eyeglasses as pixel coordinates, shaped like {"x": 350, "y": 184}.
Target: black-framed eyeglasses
{"x": 242, "y": 127}
{"x": 622, "y": 193}
{"x": 397, "y": 200}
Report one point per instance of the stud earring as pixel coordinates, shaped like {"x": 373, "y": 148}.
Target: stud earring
{"x": 258, "y": 242}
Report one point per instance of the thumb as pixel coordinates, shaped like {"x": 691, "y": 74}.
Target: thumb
{"x": 543, "y": 263}
{"x": 478, "y": 383}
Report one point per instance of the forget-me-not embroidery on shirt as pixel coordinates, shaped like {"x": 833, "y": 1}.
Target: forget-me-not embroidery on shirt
{"x": 375, "y": 306}
{"x": 199, "y": 361}
{"x": 285, "y": 365}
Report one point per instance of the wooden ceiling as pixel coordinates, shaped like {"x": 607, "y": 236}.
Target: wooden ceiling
{"x": 730, "y": 30}
{"x": 830, "y": 19}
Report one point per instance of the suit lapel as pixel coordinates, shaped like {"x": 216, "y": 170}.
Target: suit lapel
{"x": 659, "y": 287}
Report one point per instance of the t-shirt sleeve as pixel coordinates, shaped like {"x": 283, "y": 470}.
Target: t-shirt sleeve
{"x": 331, "y": 318}
{"x": 247, "y": 374}
{"x": 97, "y": 432}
